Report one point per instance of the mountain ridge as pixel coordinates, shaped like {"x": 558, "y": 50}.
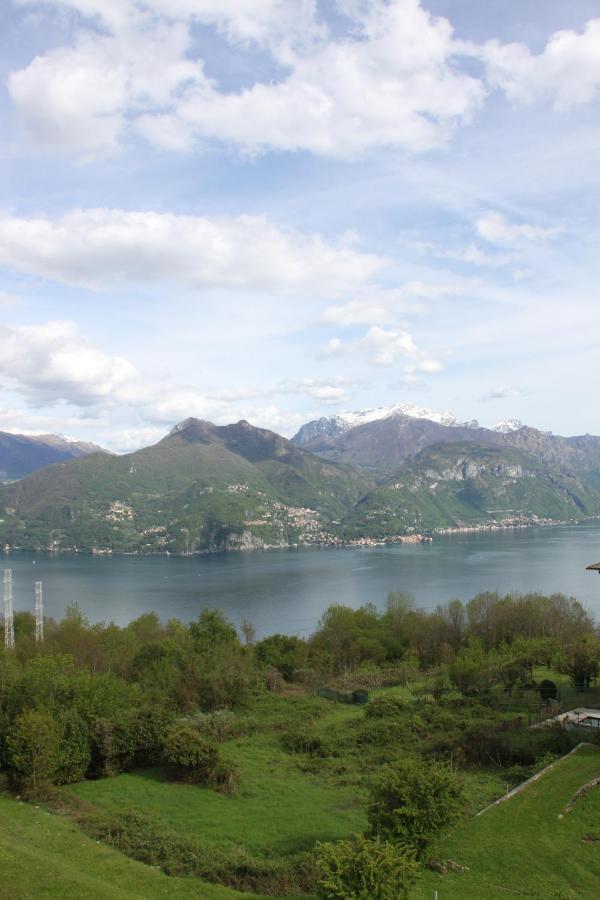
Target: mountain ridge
{"x": 206, "y": 488}
{"x": 21, "y": 454}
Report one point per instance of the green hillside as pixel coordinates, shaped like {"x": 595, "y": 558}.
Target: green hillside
{"x": 208, "y": 488}
{"x": 46, "y": 856}
{"x": 465, "y": 484}
{"x": 201, "y": 488}
{"x": 521, "y": 848}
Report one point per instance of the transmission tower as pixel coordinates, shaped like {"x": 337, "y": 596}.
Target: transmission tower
{"x": 39, "y": 611}
{"x": 9, "y": 622}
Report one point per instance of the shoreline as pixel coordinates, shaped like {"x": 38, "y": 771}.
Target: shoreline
{"x": 366, "y": 542}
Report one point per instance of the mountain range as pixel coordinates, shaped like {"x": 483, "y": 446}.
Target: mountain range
{"x": 21, "y": 454}
{"x": 374, "y": 475}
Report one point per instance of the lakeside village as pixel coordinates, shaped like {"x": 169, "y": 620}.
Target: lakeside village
{"x": 313, "y": 535}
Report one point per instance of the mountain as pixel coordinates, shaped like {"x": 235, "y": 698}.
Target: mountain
{"x": 380, "y": 445}
{"x": 21, "y": 454}
{"x": 465, "y": 484}
{"x": 203, "y": 487}
{"x": 331, "y": 426}
{"x": 508, "y": 425}
{"x": 207, "y": 488}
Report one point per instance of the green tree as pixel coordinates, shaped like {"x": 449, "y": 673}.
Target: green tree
{"x": 581, "y": 660}
{"x": 75, "y": 753}
{"x": 412, "y": 801}
{"x": 472, "y": 672}
{"x": 283, "y": 652}
{"x": 364, "y": 869}
{"x": 33, "y": 745}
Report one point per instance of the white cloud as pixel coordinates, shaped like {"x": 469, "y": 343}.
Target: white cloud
{"x": 53, "y": 362}
{"x": 92, "y": 248}
{"x": 385, "y": 347}
{"x": 504, "y": 393}
{"x": 390, "y": 80}
{"x": 567, "y": 72}
{"x": 79, "y": 98}
{"x": 334, "y": 390}
{"x": 497, "y": 229}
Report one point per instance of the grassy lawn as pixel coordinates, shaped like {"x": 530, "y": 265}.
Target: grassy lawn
{"x": 276, "y": 808}
{"x": 46, "y": 856}
{"x": 521, "y": 848}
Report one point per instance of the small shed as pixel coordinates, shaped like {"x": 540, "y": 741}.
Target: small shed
{"x": 594, "y": 568}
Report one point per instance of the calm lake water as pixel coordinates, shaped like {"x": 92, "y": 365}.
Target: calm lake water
{"x": 288, "y": 590}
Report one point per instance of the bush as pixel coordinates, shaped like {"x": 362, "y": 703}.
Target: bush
{"x": 194, "y": 757}
{"x": 382, "y": 707}
{"x": 364, "y": 869}
{"x": 302, "y": 742}
{"x": 413, "y": 801}
{"x": 217, "y": 725}
{"x": 75, "y": 753}
{"x": 33, "y": 750}
{"x": 147, "y": 840}
{"x": 548, "y": 690}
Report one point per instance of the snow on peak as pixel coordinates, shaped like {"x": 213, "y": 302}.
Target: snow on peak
{"x": 352, "y": 419}
{"x": 508, "y": 425}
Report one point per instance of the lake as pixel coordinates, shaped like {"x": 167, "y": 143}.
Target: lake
{"x": 288, "y": 590}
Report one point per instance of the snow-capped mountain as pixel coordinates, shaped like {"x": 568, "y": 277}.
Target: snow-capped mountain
{"x": 508, "y": 426}
{"x": 330, "y": 426}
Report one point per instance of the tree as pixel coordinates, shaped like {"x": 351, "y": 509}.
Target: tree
{"x": 413, "y": 801}
{"x": 33, "y": 751}
{"x": 283, "y": 653}
{"x": 364, "y": 869}
{"x": 75, "y": 751}
{"x": 212, "y": 628}
{"x": 194, "y": 757}
{"x": 471, "y": 672}
{"x": 581, "y": 661}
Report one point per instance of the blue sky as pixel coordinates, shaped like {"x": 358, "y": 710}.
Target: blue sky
{"x": 279, "y": 209}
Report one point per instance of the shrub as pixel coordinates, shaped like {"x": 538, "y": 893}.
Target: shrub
{"x": 382, "y": 707}
{"x": 365, "y": 870}
{"x": 302, "y": 742}
{"x": 75, "y": 752}
{"x": 193, "y": 756}
{"x": 217, "y": 725}
{"x": 33, "y": 744}
{"x": 147, "y": 840}
{"x": 413, "y": 801}
{"x": 548, "y": 690}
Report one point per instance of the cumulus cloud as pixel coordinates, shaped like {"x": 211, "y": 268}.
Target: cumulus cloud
{"x": 93, "y": 248}
{"x": 53, "y": 362}
{"x": 498, "y": 229}
{"x": 333, "y": 390}
{"x": 566, "y": 72}
{"x": 385, "y": 347}
{"x": 389, "y": 79}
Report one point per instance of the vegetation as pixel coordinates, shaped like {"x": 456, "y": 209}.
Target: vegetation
{"x": 206, "y": 488}
{"x": 412, "y": 802}
{"x": 212, "y": 758}
{"x": 365, "y": 869}
{"x": 523, "y": 847}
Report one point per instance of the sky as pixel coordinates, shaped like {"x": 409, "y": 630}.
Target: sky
{"x": 282, "y": 209}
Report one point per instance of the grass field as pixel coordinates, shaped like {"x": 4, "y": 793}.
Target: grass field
{"x": 276, "y": 808}
{"x": 46, "y": 856}
{"x": 521, "y": 848}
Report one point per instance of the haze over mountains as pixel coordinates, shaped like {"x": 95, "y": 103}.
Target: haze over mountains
{"x": 21, "y": 454}
{"x": 363, "y": 476}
